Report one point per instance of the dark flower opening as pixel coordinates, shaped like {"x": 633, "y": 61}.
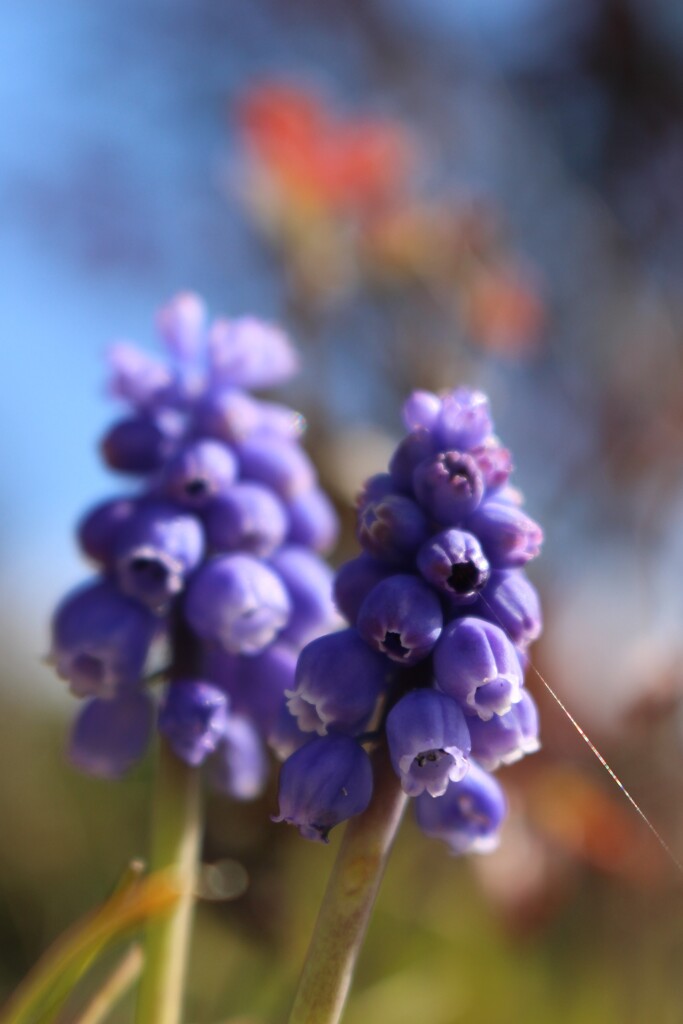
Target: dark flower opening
{"x": 392, "y": 645}
{"x": 428, "y": 757}
{"x": 197, "y": 488}
{"x": 149, "y": 570}
{"x": 464, "y": 577}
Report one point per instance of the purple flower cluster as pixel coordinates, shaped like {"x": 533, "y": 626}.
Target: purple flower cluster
{"x": 210, "y": 568}
{"x": 441, "y": 616}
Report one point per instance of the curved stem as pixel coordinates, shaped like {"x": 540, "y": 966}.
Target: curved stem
{"x": 348, "y": 902}
{"x": 176, "y": 830}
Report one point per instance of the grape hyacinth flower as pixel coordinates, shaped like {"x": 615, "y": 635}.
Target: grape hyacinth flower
{"x": 439, "y": 598}
{"x": 439, "y": 592}
{"x": 209, "y": 560}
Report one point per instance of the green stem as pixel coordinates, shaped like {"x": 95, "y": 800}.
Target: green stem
{"x": 114, "y": 988}
{"x": 176, "y": 831}
{"x": 348, "y": 902}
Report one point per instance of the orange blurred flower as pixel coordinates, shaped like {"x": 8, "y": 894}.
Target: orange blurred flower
{"x": 317, "y": 159}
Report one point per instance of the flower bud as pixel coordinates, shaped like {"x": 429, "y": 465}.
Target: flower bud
{"x": 155, "y": 551}
{"x": 98, "y": 530}
{"x": 476, "y": 663}
{"x": 511, "y": 602}
{"x": 392, "y": 529}
{"x": 193, "y": 718}
{"x": 410, "y": 452}
{"x": 508, "y": 536}
{"x": 313, "y": 521}
{"x": 325, "y": 782}
{"x": 464, "y": 420}
{"x": 239, "y": 767}
{"x": 354, "y": 581}
{"x": 140, "y": 444}
{"x": 109, "y": 736}
{"x": 248, "y": 517}
{"x": 238, "y": 602}
{"x": 338, "y": 683}
{"x": 249, "y": 353}
{"x": 100, "y": 640}
{"x": 428, "y": 742}
{"x": 421, "y": 409}
{"x": 137, "y": 377}
{"x": 402, "y": 618}
{"x": 181, "y": 324}
{"x": 278, "y": 464}
{"x": 199, "y": 472}
{"x": 506, "y": 738}
{"x": 309, "y": 584}
{"x": 454, "y": 563}
{"x": 469, "y": 814}
{"x": 449, "y": 486}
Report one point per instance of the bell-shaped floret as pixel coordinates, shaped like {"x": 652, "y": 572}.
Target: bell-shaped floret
{"x": 449, "y": 486}
{"x": 199, "y": 472}
{"x": 506, "y": 738}
{"x": 238, "y": 602}
{"x": 109, "y": 736}
{"x": 339, "y": 681}
{"x": 402, "y": 618}
{"x": 475, "y": 662}
{"x": 193, "y": 718}
{"x": 453, "y": 562}
{"x": 248, "y": 353}
{"x": 469, "y": 814}
{"x": 325, "y": 782}
{"x": 155, "y": 551}
{"x": 248, "y": 517}
{"x": 429, "y": 742}
{"x": 101, "y": 639}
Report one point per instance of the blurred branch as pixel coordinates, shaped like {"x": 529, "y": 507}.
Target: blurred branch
{"x": 115, "y": 986}
{"x": 42, "y": 992}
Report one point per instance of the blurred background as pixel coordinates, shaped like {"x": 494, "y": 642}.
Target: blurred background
{"x": 427, "y": 194}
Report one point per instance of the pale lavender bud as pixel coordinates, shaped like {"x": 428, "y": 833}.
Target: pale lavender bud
{"x": 238, "y": 602}
{"x": 421, "y": 409}
{"x": 469, "y": 814}
{"x": 109, "y": 736}
{"x": 494, "y": 462}
{"x": 227, "y": 414}
{"x": 464, "y": 420}
{"x": 475, "y": 663}
{"x": 249, "y": 353}
{"x": 402, "y": 618}
{"x": 429, "y": 742}
{"x": 137, "y": 377}
{"x": 181, "y": 323}
{"x": 325, "y": 782}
